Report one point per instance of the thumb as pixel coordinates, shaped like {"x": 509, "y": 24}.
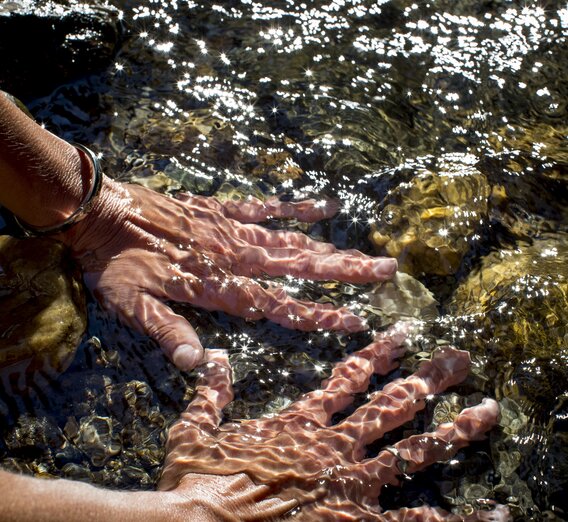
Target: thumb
{"x": 171, "y": 331}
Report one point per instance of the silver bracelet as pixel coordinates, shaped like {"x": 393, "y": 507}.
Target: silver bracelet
{"x": 79, "y": 214}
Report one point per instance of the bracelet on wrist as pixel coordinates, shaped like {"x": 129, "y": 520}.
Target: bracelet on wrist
{"x": 81, "y": 212}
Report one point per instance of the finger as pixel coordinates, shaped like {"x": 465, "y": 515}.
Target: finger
{"x": 253, "y": 261}
{"x": 420, "y": 514}
{"x": 259, "y": 236}
{"x": 399, "y": 400}
{"x": 428, "y": 514}
{"x": 248, "y": 502}
{"x": 269, "y": 509}
{"x": 246, "y": 298}
{"x": 253, "y": 210}
{"x": 351, "y": 376}
{"x": 149, "y": 315}
{"x": 171, "y": 331}
{"x": 200, "y": 420}
{"x": 214, "y": 390}
{"x": 419, "y": 451}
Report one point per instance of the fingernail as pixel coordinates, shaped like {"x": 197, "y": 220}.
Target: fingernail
{"x": 385, "y": 268}
{"x": 186, "y": 357}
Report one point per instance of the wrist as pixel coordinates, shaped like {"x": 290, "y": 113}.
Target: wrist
{"x": 91, "y": 164}
{"x": 62, "y": 185}
{"x": 73, "y": 186}
{"x": 111, "y": 207}
{"x": 172, "y": 507}
{"x": 44, "y": 178}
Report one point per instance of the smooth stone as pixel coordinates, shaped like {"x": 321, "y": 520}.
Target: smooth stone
{"x": 43, "y": 306}
{"x": 430, "y": 223}
{"x": 402, "y": 297}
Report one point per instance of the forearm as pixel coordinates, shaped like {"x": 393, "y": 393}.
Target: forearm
{"x": 30, "y": 499}
{"x": 37, "y": 500}
{"x": 42, "y": 178}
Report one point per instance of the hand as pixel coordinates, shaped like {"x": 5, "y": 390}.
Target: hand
{"x": 299, "y": 455}
{"x": 139, "y": 249}
{"x": 228, "y": 498}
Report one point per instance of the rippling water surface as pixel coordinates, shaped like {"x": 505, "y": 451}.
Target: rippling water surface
{"x": 442, "y": 129}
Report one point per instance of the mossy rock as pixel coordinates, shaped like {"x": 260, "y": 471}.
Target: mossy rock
{"x": 43, "y": 306}
{"x": 516, "y": 303}
{"x": 430, "y": 223}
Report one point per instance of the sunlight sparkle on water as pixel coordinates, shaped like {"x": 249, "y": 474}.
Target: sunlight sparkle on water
{"x": 322, "y": 84}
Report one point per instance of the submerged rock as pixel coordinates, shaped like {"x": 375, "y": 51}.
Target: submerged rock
{"x": 519, "y": 299}
{"x": 125, "y": 442}
{"x": 186, "y": 153}
{"x": 517, "y": 304}
{"x": 515, "y": 308}
{"x": 190, "y": 131}
{"x": 276, "y": 164}
{"x": 429, "y": 223}
{"x": 402, "y": 297}
{"x": 33, "y": 435}
{"x": 95, "y": 436}
{"x": 43, "y": 308}
{"x": 530, "y": 166}
{"x": 170, "y": 148}
{"x": 541, "y": 141}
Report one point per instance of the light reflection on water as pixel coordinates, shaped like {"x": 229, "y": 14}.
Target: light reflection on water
{"x": 440, "y": 125}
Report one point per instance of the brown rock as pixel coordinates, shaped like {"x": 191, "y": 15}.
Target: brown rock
{"x": 43, "y": 309}
{"x": 429, "y": 223}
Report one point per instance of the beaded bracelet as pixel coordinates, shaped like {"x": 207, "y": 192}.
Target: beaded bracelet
{"x": 79, "y": 214}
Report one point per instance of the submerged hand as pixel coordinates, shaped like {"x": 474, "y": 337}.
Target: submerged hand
{"x": 139, "y": 249}
{"x": 231, "y": 498}
{"x": 300, "y": 455}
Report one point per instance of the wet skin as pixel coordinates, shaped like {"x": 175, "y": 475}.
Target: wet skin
{"x": 301, "y": 456}
{"x": 139, "y": 249}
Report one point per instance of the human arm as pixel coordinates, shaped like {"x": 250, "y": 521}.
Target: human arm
{"x": 43, "y": 179}
{"x": 302, "y": 453}
{"x": 206, "y": 498}
{"x": 26, "y": 498}
{"x": 139, "y": 249}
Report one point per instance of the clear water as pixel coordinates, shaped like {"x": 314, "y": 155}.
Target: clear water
{"x": 357, "y": 100}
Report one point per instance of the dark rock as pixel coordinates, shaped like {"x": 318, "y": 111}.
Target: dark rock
{"x": 44, "y": 44}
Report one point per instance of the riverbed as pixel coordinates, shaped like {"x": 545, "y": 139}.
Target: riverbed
{"x": 440, "y": 127}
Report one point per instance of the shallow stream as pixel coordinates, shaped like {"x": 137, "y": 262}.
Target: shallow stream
{"x": 440, "y": 126}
